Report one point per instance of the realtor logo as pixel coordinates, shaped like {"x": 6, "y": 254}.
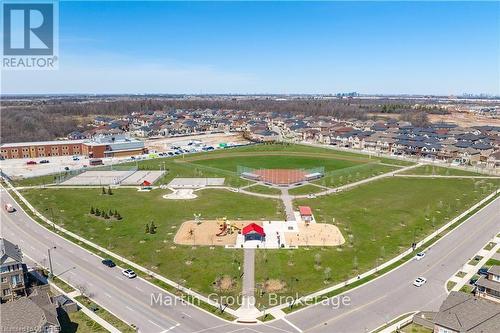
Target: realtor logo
{"x": 29, "y": 35}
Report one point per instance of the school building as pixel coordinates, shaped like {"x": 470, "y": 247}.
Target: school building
{"x": 98, "y": 147}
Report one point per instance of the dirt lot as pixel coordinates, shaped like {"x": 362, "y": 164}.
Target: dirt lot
{"x": 204, "y": 233}
{"x": 464, "y": 119}
{"x": 315, "y": 234}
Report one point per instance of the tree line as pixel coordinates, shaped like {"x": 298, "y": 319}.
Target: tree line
{"x": 48, "y": 119}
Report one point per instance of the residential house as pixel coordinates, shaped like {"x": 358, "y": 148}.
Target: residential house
{"x": 489, "y": 286}
{"x": 35, "y": 313}
{"x": 13, "y": 271}
{"x": 462, "y": 313}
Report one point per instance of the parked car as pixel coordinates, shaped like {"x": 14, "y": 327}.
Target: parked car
{"x": 473, "y": 281}
{"x": 483, "y": 271}
{"x": 30, "y": 162}
{"x": 129, "y": 273}
{"x": 419, "y": 255}
{"x": 419, "y": 282}
{"x": 108, "y": 262}
{"x": 66, "y": 168}
{"x": 76, "y": 158}
{"x": 44, "y": 161}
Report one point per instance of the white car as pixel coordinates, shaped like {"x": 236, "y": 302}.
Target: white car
{"x": 129, "y": 273}
{"x": 420, "y": 255}
{"x": 419, "y": 282}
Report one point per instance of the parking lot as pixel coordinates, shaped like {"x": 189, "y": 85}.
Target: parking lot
{"x": 18, "y": 168}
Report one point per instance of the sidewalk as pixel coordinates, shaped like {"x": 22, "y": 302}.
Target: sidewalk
{"x": 287, "y": 203}
{"x": 471, "y": 270}
{"x": 114, "y": 255}
{"x": 363, "y": 181}
{"x": 247, "y": 312}
{"x": 390, "y": 262}
{"x": 87, "y": 311}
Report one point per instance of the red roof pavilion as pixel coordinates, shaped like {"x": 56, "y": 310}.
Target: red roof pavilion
{"x": 305, "y": 211}
{"x": 252, "y": 227}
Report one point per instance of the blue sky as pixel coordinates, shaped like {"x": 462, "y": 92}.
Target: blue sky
{"x": 278, "y": 47}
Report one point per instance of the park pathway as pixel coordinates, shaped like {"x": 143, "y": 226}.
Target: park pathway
{"x": 247, "y": 312}
{"x": 287, "y": 202}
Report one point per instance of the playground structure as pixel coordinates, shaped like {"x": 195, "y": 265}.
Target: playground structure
{"x": 281, "y": 177}
{"x": 226, "y": 227}
{"x": 257, "y": 234}
{"x": 209, "y": 232}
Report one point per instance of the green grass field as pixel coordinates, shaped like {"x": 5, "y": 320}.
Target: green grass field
{"x": 439, "y": 171}
{"x": 353, "y": 174}
{"x": 379, "y": 220}
{"x": 305, "y": 189}
{"x": 79, "y": 322}
{"x": 224, "y": 162}
{"x": 263, "y": 189}
{"x": 70, "y": 208}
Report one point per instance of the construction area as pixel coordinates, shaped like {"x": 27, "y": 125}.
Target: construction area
{"x": 114, "y": 177}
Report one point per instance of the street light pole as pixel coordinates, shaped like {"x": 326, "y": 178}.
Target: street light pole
{"x": 51, "y": 272}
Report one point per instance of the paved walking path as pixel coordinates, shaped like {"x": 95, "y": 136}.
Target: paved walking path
{"x": 247, "y": 312}
{"x": 444, "y": 176}
{"x": 363, "y": 181}
{"x": 87, "y": 311}
{"x": 287, "y": 203}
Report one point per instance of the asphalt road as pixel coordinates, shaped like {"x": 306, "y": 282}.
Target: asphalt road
{"x": 392, "y": 295}
{"x": 129, "y": 299}
{"x": 370, "y": 305}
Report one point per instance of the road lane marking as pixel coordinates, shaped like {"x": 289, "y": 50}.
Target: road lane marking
{"x": 139, "y": 289}
{"x": 184, "y": 313}
{"x": 128, "y": 307}
{"x": 157, "y": 325}
{"x": 290, "y": 323}
{"x": 348, "y": 312}
{"x": 211, "y": 328}
{"x": 170, "y": 328}
{"x": 107, "y": 295}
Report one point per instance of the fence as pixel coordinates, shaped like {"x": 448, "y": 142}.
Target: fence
{"x": 64, "y": 176}
{"x": 280, "y": 176}
{"x": 240, "y": 169}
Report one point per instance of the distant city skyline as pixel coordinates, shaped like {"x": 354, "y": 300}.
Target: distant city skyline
{"x": 423, "y": 48}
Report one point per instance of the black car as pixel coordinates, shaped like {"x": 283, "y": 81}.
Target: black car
{"x": 473, "y": 281}
{"x": 66, "y": 168}
{"x": 44, "y": 161}
{"x": 483, "y": 271}
{"x": 108, "y": 262}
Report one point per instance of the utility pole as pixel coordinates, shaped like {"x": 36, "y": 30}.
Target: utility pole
{"x": 51, "y": 272}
